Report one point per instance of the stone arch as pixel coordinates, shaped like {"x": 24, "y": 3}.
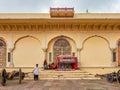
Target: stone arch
{"x": 96, "y": 52}
{"x": 3, "y": 47}
{"x": 51, "y": 43}
{"x": 23, "y": 38}
{"x": 61, "y": 47}
{"x": 60, "y": 37}
{"x": 95, "y": 36}
{"x": 27, "y": 52}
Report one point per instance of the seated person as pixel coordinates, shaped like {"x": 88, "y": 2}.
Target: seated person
{"x": 45, "y": 66}
{"x": 52, "y": 66}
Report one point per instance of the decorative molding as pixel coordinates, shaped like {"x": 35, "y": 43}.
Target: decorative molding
{"x": 113, "y": 49}
{"x": 79, "y": 49}
{"x": 44, "y": 49}
{"x": 10, "y": 49}
{"x": 56, "y": 26}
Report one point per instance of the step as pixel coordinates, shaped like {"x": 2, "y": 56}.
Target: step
{"x": 63, "y": 78}
{"x": 52, "y": 71}
{"x": 61, "y": 72}
{"x": 63, "y": 75}
{"x": 68, "y": 75}
{"x": 83, "y": 78}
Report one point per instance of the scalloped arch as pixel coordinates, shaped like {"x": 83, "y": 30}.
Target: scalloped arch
{"x": 23, "y": 38}
{"x": 61, "y": 36}
{"x": 95, "y": 36}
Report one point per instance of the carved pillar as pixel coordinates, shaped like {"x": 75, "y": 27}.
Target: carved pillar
{"x": 10, "y": 56}
{"x": 45, "y": 53}
{"x": 78, "y": 51}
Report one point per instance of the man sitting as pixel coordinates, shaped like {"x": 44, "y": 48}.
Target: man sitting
{"x": 52, "y": 66}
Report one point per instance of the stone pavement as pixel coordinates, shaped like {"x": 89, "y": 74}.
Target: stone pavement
{"x": 60, "y": 85}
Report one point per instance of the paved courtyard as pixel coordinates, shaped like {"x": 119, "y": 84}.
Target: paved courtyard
{"x": 61, "y": 85}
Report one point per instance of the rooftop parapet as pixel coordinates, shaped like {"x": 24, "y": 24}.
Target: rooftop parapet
{"x": 62, "y": 12}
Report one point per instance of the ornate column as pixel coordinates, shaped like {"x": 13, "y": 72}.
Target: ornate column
{"x": 10, "y": 57}
{"x": 45, "y": 53}
{"x": 78, "y": 51}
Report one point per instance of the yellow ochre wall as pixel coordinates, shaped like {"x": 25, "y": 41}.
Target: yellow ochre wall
{"x": 31, "y": 37}
{"x": 95, "y": 48}
{"x": 95, "y": 52}
{"x": 27, "y": 53}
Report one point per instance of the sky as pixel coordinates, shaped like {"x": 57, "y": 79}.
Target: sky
{"x": 43, "y": 6}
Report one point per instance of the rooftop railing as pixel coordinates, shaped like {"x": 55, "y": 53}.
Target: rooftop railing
{"x": 61, "y": 12}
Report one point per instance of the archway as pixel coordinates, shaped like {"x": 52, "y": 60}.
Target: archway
{"x": 61, "y": 47}
{"x": 28, "y": 52}
{"x": 55, "y": 43}
{"x": 2, "y": 53}
{"x": 96, "y": 52}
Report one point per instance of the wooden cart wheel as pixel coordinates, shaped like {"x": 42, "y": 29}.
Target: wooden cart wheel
{"x": 20, "y": 76}
{"x": 3, "y": 77}
{"x": 118, "y": 76}
{"x": 110, "y": 78}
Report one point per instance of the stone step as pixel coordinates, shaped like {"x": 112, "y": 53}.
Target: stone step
{"x": 54, "y": 71}
{"x": 64, "y": 73}
{"x": 61, "y": 72}
{"x": 69, "y": 77}
{"x": 61, "y": 75}
{"x": 82, "y": 78}
{"x": 65, "y": 78}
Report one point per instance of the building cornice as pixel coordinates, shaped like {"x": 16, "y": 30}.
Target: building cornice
{"x": 59, "y": 24}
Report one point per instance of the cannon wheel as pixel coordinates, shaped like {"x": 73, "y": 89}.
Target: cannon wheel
{"x": 118, "y": 76}
{"x": 3, "y": 77}
{"x": 20, "y": 75}
{"x": 110, "y": 78}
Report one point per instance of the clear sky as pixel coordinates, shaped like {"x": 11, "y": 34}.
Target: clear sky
{"x": 42, "y": 6}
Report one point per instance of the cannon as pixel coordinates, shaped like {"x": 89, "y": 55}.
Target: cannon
{"x": 118, "y": 76}
{"x": 113, "y": 77}
{"x": 15, "y": 75}
{"x": 11, "y": 75}
{"x": 3, "y": 77}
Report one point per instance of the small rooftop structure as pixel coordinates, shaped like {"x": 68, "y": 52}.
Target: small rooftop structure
{"x": 61, "y": 12}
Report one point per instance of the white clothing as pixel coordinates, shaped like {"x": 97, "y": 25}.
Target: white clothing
{"x": 36, "y": 70}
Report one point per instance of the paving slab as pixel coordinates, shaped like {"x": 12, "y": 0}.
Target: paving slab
{"x": 60, "y": 85}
